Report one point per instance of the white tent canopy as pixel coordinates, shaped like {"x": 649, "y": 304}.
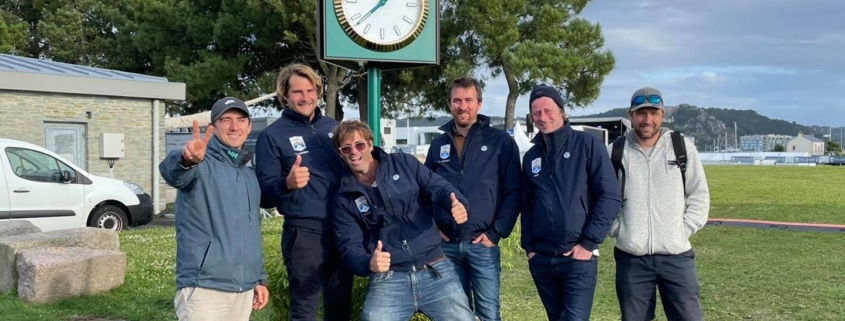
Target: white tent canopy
{"x": 521, "y": 139}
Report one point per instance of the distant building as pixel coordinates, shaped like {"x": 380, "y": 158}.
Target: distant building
{"x": 763, "y": 143}
{"x": 806, "y": 144}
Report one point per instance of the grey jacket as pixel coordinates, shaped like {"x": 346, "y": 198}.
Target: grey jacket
{"x": 658, "y": 216}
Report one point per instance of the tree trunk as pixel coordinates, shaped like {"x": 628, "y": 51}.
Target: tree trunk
{"x": 513, "y": 94}
{"x": 363, "y": 99}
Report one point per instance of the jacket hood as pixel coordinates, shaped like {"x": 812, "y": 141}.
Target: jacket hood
{"x": 232, "y": 156}
{"x": 480, "y": 121}
{"x": 558, "y": 136}
{"x": 302, "y": 119}
{"x": 665, "y": 138}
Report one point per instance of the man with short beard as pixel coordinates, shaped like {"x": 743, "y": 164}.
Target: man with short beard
{"x": 570, "y": 198}
{"x": 659, "y": 214}
{"x": 483, "y": 163}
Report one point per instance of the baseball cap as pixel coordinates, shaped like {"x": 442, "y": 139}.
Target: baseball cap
{"x": 223, "y": 105}
{"x": 543, "y": 90}
{"x": 646, "y": 97}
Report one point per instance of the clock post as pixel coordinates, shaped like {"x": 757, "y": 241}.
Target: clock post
{"x": 381, "y": 36}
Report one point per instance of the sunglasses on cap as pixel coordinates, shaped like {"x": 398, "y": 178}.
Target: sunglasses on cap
{"x": 654, "y": 99}
{"x": 347, "y": 149}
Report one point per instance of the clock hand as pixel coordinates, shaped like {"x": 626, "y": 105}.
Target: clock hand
{"x": 380, "y": 4}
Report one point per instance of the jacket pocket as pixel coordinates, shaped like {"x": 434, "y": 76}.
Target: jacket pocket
{"x": 202, "y": 266}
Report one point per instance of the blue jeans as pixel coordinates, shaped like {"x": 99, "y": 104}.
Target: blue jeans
{"x": 436, "y": 292}
{"x": 478, "y": 268}
{"x": 566, "y": 286}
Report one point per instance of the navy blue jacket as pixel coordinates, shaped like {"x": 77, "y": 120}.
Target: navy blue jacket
{"x": 218, "y": 225}
{"x": 406, "y": 232}
{"x": 275, "y": 152}
{"x": 570, "y": 196}
{"x": 487, "y": 173}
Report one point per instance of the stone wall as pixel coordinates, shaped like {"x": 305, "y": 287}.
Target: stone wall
{"x": 24, "y": 115}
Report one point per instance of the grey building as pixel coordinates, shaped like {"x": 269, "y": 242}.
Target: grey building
{"x": 68, "y": 108}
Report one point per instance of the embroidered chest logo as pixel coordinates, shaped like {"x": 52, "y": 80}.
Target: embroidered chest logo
{"x": 444, "y": 151}
{"x": 297, "y": 143}
{"x": 484, "y": 148}
{"x": 395, "y": 177}
{"x": 536, "y": 165}
{"x": 331, "y": 135}
{"x": 362, "y": 204}
{"x": 566, "y": 155}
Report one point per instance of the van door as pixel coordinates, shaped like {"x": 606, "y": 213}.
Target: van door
{"x": 4, "y": 192}
{"x": 40, "y": 193}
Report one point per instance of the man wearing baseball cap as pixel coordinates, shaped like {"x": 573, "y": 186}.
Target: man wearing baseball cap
{"x": 219, "y": 261}
{"x": 652, "y": 248}
{"x": 569, "y": 200}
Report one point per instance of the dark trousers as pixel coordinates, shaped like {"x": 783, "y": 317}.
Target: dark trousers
{"x": 638, "y": 278}
{"x": 566, "y": 286}
{"x": 313, "y": 265}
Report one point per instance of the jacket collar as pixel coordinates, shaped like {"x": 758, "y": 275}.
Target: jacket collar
{"x": 348, "y": 182}
{"x": 557, "y": 136}
{"x": 480, "y": 122}
{"x": 222, "y": 152}
{"x": 302, "y": 119}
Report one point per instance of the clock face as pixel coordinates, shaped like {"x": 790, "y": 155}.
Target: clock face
{"x": 382, "y": 24}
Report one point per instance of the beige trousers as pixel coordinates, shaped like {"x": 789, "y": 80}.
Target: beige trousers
{"x": 195, "y": 304}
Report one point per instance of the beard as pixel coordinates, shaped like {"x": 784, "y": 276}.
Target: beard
{"x": 647, "y": 132}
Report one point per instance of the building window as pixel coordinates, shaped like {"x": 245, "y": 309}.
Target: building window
{"x": 386, "y": 131}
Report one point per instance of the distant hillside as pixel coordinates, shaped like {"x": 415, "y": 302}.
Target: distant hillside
{"x": 715, "y": 125}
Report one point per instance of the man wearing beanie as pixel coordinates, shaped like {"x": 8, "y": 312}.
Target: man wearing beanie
{"x": 569, "y": 201}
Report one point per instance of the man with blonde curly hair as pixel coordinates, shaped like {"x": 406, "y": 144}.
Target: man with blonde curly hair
{"x": 298, "y": 171}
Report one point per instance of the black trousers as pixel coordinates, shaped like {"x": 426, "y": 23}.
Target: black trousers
{"x": 638, "y": 278}
{"x": 314, "y": 266}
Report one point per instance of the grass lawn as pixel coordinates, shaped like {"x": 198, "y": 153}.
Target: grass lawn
{"x": 746, "y": 274}
{"x": 778, "y": 193}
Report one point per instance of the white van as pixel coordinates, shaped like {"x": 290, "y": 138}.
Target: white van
{"x": 41, "y": 187}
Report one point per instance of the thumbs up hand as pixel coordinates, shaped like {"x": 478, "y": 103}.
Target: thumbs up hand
{"x": 298, "y": 176}
{"x": 380, "y": 262}
{"x": 459, "y": 213}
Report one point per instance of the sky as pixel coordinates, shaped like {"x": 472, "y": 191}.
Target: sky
{"x": 784, "y": 59}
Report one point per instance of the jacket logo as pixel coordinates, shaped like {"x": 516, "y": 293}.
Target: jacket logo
{"x": 395, "y": 177}
{"x": 484, "y": 148}
{"x": 535, "y": 165}
{"x": 331, "y": 135}
{"x": 444, "y": 151}
{"x": 566, "y": 155}
{"x": 362, "y": 204}
{"x": 297, "y": 143}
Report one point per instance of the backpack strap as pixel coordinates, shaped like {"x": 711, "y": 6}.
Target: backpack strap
{"x": 616, "y": 160}
{"x": 680, "y": 154}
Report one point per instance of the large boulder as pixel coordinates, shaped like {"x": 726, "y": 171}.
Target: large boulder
{"x": 49, "y": 274}
{"x": 16, "y": 227}
{"x": 86, "y": 237}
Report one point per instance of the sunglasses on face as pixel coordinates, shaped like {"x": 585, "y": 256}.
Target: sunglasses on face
{"x": 347, "y": 149}
{"x": 654, "y": 99}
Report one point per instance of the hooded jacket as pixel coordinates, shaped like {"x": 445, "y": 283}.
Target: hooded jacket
{"x": 487, "y": 173}
{"x": 218, "y": 225}
{"x": 406, "y": 232}
{"x": 659, "y": 214}
{"x": 275, "y": 153}
{"x": 570, "y": 195}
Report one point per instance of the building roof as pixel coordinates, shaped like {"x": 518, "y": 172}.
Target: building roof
{"x": 38, "y": 75}
{"x": 25, "y": 64}
{"x": 813, "y": 138}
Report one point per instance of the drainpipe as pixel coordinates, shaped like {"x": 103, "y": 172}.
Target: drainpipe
{"x": 156, "y": 157}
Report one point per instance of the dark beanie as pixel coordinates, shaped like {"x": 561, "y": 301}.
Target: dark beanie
{"x": 543, "y": 90}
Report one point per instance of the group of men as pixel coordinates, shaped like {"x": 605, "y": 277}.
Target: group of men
{"x": 426, "y": 234}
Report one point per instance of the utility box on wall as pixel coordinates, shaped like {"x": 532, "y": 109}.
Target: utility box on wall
{"x": 111, "y": 145}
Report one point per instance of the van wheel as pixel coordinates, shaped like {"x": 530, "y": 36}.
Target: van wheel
{"x": 109, "y": 217}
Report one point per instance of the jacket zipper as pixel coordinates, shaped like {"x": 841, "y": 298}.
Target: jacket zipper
{"x": 389, "y": 200}
{"x": 550, "y": 199}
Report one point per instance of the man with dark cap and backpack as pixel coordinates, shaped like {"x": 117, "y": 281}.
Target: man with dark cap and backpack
{"x": 570, "y": 198}
{"x": 665, "y": 201}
